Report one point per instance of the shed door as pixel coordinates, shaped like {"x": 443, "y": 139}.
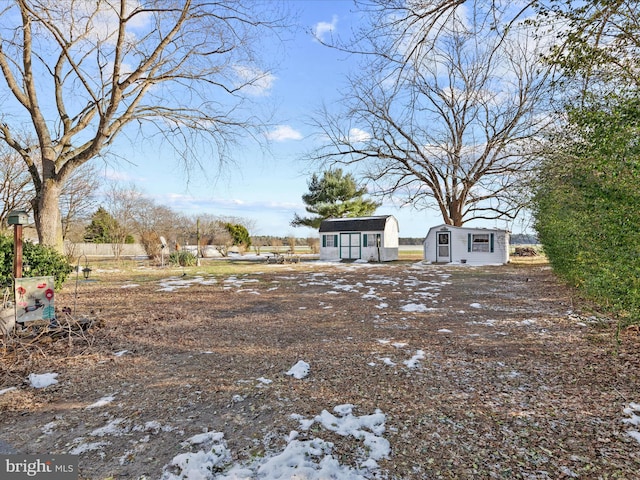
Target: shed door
{"x": 350, "y": 246}
{"x": 443, "y": 247}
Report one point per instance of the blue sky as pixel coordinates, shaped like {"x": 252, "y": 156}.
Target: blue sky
{"x": 266, "y": 186}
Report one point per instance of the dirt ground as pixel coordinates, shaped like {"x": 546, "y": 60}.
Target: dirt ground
{"x": 513, "y": 380}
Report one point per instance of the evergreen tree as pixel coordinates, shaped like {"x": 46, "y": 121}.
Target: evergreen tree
{"x": 239, "y": 234}
{"x": 103, "y": 228}
{"x": 334, "y": 195}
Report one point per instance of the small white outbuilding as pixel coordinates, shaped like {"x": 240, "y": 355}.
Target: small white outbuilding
{"x": 475, "y": 246}
{"x": 372, "y": 239}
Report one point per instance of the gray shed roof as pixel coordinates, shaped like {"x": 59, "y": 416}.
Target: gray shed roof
{"x": 356, "y": 224}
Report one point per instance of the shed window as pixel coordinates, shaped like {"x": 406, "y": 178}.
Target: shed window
{"x": 329, "y": 240}
{"x": 371, "y": 239}
{"x": 480, "y": 242}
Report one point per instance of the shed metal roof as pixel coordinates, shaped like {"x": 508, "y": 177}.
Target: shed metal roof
{"x": 356, "y": 224}
{"x": 466, "y": 229}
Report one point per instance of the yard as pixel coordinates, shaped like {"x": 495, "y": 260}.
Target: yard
{"x": 397, "y": 371}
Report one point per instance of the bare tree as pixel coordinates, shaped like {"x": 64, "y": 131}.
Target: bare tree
{"x": 123, "y": 202}
{"x": 15, "y": 191}
{"x": 153, "y": 221}
{"x": 139, "y": 216}
{"x": 78, "y": 198}
{"x": 83, "y": 73}
{"x": 446, "y": 111}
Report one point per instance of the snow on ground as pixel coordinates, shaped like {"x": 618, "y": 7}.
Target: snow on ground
{"x": 101, "y": 402}
{"x": 633, "y": 410}
{"x": 299, "y": 370}
{"x": 304, "y": 456}
{"x": 42, "y": 380}
{"x": 307, "y": 455}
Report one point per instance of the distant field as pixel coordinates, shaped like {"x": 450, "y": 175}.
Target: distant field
{"x": 410, "y": 252}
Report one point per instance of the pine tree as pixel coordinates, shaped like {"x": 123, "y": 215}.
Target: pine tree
{"x": 239, "y": 234}
{"x": 102, "y": 228}
{"x": 334, "y": 195}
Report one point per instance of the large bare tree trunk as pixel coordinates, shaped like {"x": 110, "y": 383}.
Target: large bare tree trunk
{"x": 46, "y": 212}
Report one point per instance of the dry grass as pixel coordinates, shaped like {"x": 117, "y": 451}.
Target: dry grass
{"x": 519, "y": 388}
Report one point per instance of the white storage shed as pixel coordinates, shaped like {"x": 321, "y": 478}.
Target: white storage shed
{"x": 372, "y": 239}
{"x": 476, "y": 246}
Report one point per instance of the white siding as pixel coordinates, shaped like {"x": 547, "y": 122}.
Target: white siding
{"x": 460, "y": 243}
{"x": 387, "y": 251}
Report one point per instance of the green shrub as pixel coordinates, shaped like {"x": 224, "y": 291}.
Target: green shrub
{"x": 43, "y": 262}
{"x": 182, "y": 258}
{"x": 587, "y": 208}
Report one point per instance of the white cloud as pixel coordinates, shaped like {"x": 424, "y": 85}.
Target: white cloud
{"x": 117, "y": 175}
{"x": 284, "y": 132}
{"x": 222, "y": 205}
{"x": 322, "y": 29}
{"x": 358, "y": 135}
{"x": 254, "y": 81}
{"x": 97, "y": 20}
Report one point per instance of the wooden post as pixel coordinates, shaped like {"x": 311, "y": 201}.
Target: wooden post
{"x": 17, "y": 251}
{"x": 198, "y": 242}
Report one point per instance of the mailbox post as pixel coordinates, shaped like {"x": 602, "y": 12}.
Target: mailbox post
{"x": 17, "y": 218}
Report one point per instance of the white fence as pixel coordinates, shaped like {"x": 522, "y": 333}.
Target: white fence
{"x": 104, "y": 249}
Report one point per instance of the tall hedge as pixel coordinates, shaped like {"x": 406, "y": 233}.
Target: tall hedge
{"x": 587, "y": 206}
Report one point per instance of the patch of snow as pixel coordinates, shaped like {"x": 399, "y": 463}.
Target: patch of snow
{"x": 415, "y": 360}
{"x": 48, "y": 428}
{"x": 299, "y": 370}
{"x": 416, "y": 307}
{"x": 633, "y": 411}
{"x": 634, "y": 434}
{"x": 101, "y": 402}
{"x": 87, "y": 447}
{"x": 153, "y": 427}
{"x": 368, "y": 428}
{"x": 387, "y": 361}
{"x": 174, "y": 283}
{"x": 202, "y": 463}
{"x": 111, "y": 428}
{"x": 42, "y": 380}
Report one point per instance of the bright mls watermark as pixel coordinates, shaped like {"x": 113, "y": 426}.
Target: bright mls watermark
{"x": 39, "y": 467}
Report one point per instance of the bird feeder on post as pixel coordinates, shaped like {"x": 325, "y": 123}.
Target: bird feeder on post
{"x": 17, "y": 218}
